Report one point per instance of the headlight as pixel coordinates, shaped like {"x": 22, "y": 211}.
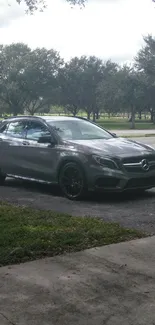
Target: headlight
{"x": 105, "y": 162}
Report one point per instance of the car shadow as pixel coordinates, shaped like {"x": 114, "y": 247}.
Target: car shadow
{"x": 33, "y": 186}
{"x": 92, "y": 197}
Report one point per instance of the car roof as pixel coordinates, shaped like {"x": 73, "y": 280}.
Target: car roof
{"x": 57, "y": 118}
{"x": 46, "y": 118}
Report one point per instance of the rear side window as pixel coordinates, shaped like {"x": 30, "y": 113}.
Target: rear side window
{"x": 17, "y": 129}
{"x": 3, "y": 127}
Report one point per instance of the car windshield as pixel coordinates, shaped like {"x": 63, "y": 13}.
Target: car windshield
{"x": 79, "y": 130}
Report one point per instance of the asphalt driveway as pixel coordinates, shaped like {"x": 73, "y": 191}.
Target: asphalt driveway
{"x": 128, "y": 210}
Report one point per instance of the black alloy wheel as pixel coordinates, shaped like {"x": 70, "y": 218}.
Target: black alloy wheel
{"x": 72, "y": 181}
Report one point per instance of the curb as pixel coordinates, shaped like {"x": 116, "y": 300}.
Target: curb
{"x": 137, "y": 135}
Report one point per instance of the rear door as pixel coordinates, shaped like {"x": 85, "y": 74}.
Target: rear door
{"x": 12, "y": 139}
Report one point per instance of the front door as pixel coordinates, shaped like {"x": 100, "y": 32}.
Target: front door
{"x": 40, "y": 159}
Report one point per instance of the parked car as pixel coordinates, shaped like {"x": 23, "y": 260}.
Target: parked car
{"x": 74, "y": 153}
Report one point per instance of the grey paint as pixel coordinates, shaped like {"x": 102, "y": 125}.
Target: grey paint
{"x": 39, "y": 161}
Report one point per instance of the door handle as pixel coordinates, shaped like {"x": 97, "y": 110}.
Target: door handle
{"x": 25, "y": 143}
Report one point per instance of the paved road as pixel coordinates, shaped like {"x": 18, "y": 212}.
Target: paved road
{"x": 133, "y": 132}
{"x": 150, "y": 140}
{"x": 128, "y": 210}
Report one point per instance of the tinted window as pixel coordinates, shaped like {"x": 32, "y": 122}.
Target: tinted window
{"x": 17, "y": 129}
{"x": 3, "y": 127}
{"x": 35, "y": 130}
{"x": 79, "y": 130}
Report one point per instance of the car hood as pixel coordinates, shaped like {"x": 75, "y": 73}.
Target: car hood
{"x": 118, "y": 147}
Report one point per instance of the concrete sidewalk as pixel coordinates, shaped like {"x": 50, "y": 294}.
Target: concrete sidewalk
{"x": 112, "y": 285}
{"x": 134, "y": 133}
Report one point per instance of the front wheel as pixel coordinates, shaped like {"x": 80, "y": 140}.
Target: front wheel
{"x": 72, "y": 181}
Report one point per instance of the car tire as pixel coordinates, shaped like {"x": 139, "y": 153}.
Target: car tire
{"x": 2, "y": 179}
{"x": 72, "y": 181}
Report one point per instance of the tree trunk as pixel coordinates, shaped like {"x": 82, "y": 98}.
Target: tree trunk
{"x": 152, "y": 116}
{"x": 94, "y": 116}
{"x": 132, "y": 118}
{"x": 88, "y": 115}
{"x": 97, "y": 115}
{"x": 140, "y": 115}
{"x": 109, "y": 114}
{"x": 74, "y": 110}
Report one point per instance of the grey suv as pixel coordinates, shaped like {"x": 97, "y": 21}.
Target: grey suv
{"x": 74, "y": 153}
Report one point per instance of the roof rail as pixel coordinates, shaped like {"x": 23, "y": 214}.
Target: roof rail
{"x": 21, "y": 116}
{"x": 81, "y": 118}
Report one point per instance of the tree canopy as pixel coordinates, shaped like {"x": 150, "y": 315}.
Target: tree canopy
{"x": 39, "y": 81}
{"x": 33, "y": 5}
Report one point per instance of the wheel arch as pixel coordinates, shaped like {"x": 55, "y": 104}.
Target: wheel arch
{"x": 66, "y": 160}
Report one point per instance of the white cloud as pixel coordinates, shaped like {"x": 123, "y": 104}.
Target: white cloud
{"x": 108, "y": 29}
{"x": 9, "y": 11}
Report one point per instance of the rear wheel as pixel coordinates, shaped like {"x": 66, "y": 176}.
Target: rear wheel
{"x": 72, "y": 181}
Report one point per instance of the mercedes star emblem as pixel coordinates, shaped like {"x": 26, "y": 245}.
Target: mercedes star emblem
{"x": 145, "y": 165}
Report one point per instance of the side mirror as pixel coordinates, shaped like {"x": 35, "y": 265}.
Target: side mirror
{"x": 46, "y": 139}
{"x": 114, "y": 135}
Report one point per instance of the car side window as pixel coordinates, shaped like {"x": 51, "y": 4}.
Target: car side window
{"x": 17, "y": 129}
{"x": 3, "y": 127}
{"x": 35, "y": 130}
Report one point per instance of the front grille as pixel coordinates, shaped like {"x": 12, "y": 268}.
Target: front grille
{"x": 135, "y": 160}
{"x": 132, "y": 164}
{"x": 141, "y": 182}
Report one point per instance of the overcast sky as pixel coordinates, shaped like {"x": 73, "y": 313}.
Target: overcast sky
{"x": 105, "y": 28}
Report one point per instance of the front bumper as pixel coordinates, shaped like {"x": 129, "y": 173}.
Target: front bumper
{"x": 105, "y": 179}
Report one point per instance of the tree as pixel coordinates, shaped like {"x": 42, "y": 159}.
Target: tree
{"x": 92, "y": 75}
{"x": 12, "y": 66}
{"x": 79, "y": 79}
{"x": 39, "y": 80}
{"x": 28, "y": 79}
{"x": 108, "y": 91}
{"x": 145, "y": 62}
{"x": 34, "y": 5}
{"x": 70, "y": 77}
{"x": 134, "y": 92}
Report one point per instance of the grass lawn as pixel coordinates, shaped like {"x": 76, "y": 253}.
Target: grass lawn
{"x": 27, "y": 234}
{"x": 119, "y": 123}
{"x": 123, "y": 125}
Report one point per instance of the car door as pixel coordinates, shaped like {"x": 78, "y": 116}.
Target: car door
{"x": 40, "y": 158}
{"x": 12, "y": 140}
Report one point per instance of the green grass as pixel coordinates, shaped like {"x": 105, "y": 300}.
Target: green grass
{"x": 27, "y": 234}
{"x": 107, "y": 124}
{"x": 119, "y": 123}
